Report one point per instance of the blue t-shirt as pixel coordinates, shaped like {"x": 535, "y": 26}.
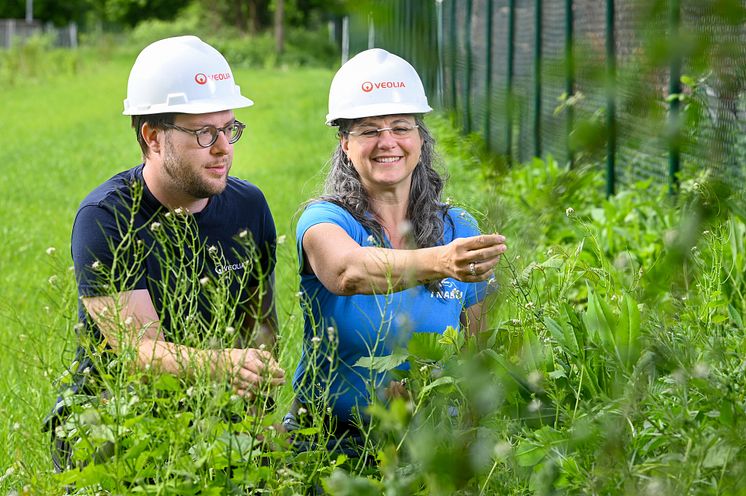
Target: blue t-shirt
{"x": 368, "y": 325}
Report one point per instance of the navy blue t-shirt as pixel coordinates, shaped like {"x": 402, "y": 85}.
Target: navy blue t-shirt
{"x": 124, "y": 239}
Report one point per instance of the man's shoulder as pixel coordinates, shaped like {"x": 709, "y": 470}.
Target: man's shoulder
{"x": 242, "y": 190}
{"x": 115, "y": 191}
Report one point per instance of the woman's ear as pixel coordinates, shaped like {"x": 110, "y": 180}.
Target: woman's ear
{"x": 344, "y": 142}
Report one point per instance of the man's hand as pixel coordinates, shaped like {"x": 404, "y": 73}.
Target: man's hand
{"x": 248, "y": 370}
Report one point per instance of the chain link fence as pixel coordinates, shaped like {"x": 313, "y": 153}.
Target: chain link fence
{"x": 596, "y": 81}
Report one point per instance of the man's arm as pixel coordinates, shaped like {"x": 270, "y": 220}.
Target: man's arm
{"x": 130, "y": 320}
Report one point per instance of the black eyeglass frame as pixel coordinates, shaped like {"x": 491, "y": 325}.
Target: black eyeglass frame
{"x": 214, "y": 132}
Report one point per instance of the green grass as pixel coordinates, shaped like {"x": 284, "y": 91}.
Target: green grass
{"x": 66, "y": 136}
{"x": 614, "y": 359}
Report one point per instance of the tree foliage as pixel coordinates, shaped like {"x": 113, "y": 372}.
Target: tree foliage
{"x": 249, "y": 16}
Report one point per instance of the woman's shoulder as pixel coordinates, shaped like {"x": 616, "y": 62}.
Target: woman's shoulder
{"x": 324, "y": 208}
{"x": 460, "y": 222}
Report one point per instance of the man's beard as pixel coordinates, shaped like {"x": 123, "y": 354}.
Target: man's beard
{"x": 186, "y": 179}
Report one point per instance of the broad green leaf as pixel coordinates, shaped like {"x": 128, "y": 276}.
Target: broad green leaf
{"x": 167, "y": 382}
{"x": 735, "y": 316}
{"x": 426, "y": 346}
{"x": 383, "y": 363}
{"x": 451, "y": 337}
{"x": 436, "y": 383}
{"x": 628, "y": 332}
{"x": 529, "y": 453}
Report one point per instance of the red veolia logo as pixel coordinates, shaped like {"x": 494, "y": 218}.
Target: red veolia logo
{"x": 200, "y": 78}
{"x": 368, "y": 86}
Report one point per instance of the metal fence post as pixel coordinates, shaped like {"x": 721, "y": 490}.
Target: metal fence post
{"x": 439, "y": 77}
{"x": 538, "y": 24}
{"x": 674, "y": 89}
{"x": 488, "y": 79}
{"x": 467, "y": 72}
{"x": 610, "y": 99}
{"x": 453, "y": 54}
{"x": 569, "y": 77}
{"x": 509, "y": 86}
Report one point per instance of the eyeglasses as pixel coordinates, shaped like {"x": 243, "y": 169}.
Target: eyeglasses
{"x": 396, "y": 131}
{"x": 208, "y": 135}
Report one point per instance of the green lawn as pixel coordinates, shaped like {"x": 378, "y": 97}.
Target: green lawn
{"x": 67, "y": 135}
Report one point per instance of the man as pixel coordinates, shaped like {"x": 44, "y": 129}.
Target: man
{"x": 150, "y": 243}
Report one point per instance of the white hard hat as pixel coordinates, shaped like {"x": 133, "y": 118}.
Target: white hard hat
{"x": 375, "y": 82}
{"x": 182, "y": 74}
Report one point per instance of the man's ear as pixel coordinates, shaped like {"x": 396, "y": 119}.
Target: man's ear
{"x": 150, "y": 135}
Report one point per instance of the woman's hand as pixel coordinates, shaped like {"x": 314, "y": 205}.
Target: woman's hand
{"x": 472, "y": 259}
{"x": 246, "y": 369}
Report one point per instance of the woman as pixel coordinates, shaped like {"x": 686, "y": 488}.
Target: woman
{"x": 380, "y": 255}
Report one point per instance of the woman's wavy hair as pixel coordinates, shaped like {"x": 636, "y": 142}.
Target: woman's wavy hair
{"x": 425, "y": 212}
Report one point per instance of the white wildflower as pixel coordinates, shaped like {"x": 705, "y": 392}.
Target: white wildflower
{"x": 230, "y": 330}
{"x": 515, "y": 322}
{"x": 155, "y": 226}
{"x": 262, "y": 347}
{"x": 168, "y": 214}
{"x": 128, "y": 321}
{"x": 281, "y": 239}
{"x": 212, "y": 249}
{"x": 371, "y": 239}
{"x": 316, "y": 340}
{"x": 423, "y": 369}
{"x": 78, "y": 326}
{"x": 235, "y": 398}
{"x": 534, "y": 378}
{"x": 670, "y": 237}
{"x": 569, "y": 211}
{"x": 87, "y": 371}
{"x": 190, "y": 391}
{"x": 52, "y": 280}
{"x": 302, "y": 411}
{"x": 502, "y": 449}
{"x": 51, "y": 250}
{"x": 179, "y": 211}
{"x": 529, "y": 305}
{"x": 701, "y": 370}
{"x": 204, "y": 281}
{"x": 16, "y": 426}
{"x": 534, "y": 405}
{"x": 96, "y": 265}
{"x": 243, "y": 233}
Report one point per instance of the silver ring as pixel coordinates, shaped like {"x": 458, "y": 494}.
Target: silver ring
{"x": 472, "y": 269}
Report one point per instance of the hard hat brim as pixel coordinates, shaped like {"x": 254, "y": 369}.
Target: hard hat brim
{"x": 378, "y": 110}
{"x": 194, "y": 107}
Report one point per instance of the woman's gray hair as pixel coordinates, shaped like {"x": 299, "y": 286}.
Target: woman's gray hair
{"x": 425, "y": 212}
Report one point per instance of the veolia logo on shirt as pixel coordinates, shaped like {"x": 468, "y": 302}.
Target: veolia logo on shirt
{"x": 219, "y": 269}
{"x": 447, "y": 291}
